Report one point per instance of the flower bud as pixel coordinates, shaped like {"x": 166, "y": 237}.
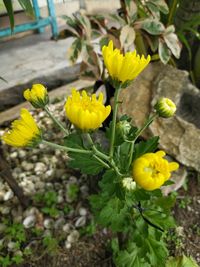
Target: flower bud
{"x": 165, "y": 107}
{"x": 37, "y": 96}
{"x": 123, "y": 128}
{"x": 128, "y": 183}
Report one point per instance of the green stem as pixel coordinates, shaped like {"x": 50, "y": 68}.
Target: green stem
{"x": 146, "y": 124}
{"x": 172, "y": 11}
{"x": 102, "y": 162}
{"x": 95, "y": 150}
{"x": 131, "y": 154}
{"x": 116, "y": 103}
{"x": 56, "y": 121}
{"x": 65, "y": 148}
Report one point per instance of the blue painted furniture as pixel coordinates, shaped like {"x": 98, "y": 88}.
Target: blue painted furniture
{"x": 39, "y": 22}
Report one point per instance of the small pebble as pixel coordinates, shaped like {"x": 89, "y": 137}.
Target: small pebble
{"x": 29, "y": 221}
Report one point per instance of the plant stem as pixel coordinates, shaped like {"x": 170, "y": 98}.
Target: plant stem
{"x": 131, "y": 154}
{"x": 172, "y": 11}
{"x": 65, "y": 148}
{"x": 96, "y": 151}
{"x": 56, "y": 121}
{"x": 116, "y": 103}
{"x": 146, "y": 124}
{"x": 102, "y": 162}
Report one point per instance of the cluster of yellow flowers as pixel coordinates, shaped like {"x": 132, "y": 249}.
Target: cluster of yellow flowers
{"x": 150, "y": 171}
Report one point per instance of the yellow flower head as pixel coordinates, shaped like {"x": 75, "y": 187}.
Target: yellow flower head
{"x": 24, "y": 132}
{"x": 123, "y": 67}
{"x": 85, "y": 112}
{"x": 165, "y": 107}
{"x": 151, "y": 170}
{"x": 37, "y": 95}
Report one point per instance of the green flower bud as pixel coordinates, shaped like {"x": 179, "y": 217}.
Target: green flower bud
{"x": 123, "y": 128}
{"x": 128, "y": 183}
{"x": 165, "y": 107}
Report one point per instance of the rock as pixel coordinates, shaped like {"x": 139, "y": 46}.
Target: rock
{"x": 11, "y": 246}
{"x": 180, "y": 135}
{"x": 59, "y": 223}
{"x": 48, "y": 223}
{"x": 27, "y": 166}
{"x": 5, "y": 210}
{"x": 82, "y": 211}
{"x": 73, "y": 237}
{"x": 13, "y": 155}
{"x": 68, "y": 245}
{"x": 80, "y": 222}
{"x": 8, "y": 195}
{"x": 66, "y": 228}
{"x": 22, "y": 154}
{"x": 40, "y": 168}
{"x": 29, "y": 221}
{"x": 2, "y": 227}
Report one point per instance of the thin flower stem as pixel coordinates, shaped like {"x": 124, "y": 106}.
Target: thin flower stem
{"x": 116, "y": 103}
{"x": 103, "y": 156}
{"x": 56, "y": 121}
{"x": 102, "y": 162}
{"x": 96, "y": 151}
{"x": 146, "y": 124}
{"x": 65, "y": 148}
{"x": 131, "y": 154}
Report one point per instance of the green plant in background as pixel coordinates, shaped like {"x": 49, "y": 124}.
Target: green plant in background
{"x": 25, "y": 4}
{"x": 138, "y": 24}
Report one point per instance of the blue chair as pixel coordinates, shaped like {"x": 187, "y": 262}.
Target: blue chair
{"x": 39, "y": 22}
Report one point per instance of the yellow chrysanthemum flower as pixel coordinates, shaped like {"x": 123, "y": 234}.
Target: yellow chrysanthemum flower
{"x": 85, "y": 112}
{"x": 24, "y": 132}
{"x": 151, "y": 170}
{"x": 165, "y": 107}
{"x": 37, "y": 95}
{"x": 123, "y": 67}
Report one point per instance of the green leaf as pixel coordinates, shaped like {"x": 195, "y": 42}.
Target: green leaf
{"x": 75, "y": 50}
{"x": 153, "y": 26}
{"x": 130, "y": 257}
{"x": 9, "y": 7}
{"x": 162, "y": 6}
{"x": 114, "y": 214}
{"x": 27, "y": 6}
{"x": 181, "y": 261}
{"x": 86, "y": 163}
{"x": 145, "y": 147}
{"x": 173, "y": 43}
{"x": 157, "y": 251}
{"x": 164, "y": 52}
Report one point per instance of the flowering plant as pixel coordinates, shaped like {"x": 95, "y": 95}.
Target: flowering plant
{"x": 130, "y": 201}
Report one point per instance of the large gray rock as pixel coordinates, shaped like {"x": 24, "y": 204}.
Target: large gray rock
{"x": 180, "y": 135}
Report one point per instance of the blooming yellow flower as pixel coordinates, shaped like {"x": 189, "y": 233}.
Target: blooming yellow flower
{"x": 37, "y": 95}
{"x": 123, "y": 67}
{"x": 165, "y": 107}
{"x": 85, "y": 112}
{"x": 151, "y": 170}
{"x": 24, "y": 132}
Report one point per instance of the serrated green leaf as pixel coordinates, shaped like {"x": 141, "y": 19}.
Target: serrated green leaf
{"x": 85, "y": 162}
{"x": 145, "y": 147}
{"x": 157, "y": 251}
{"x": 9, "y": 7}
{"x": 113, "y": 214}
{"x": 153, "y": 26}
{"x": 74, "y": 140}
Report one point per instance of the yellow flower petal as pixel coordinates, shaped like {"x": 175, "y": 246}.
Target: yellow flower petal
{"x": 85, "y": 112}
{"x": 151, "y": 170}
{"x": 123, "y": 67}
{"x": 23, "y": 132}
